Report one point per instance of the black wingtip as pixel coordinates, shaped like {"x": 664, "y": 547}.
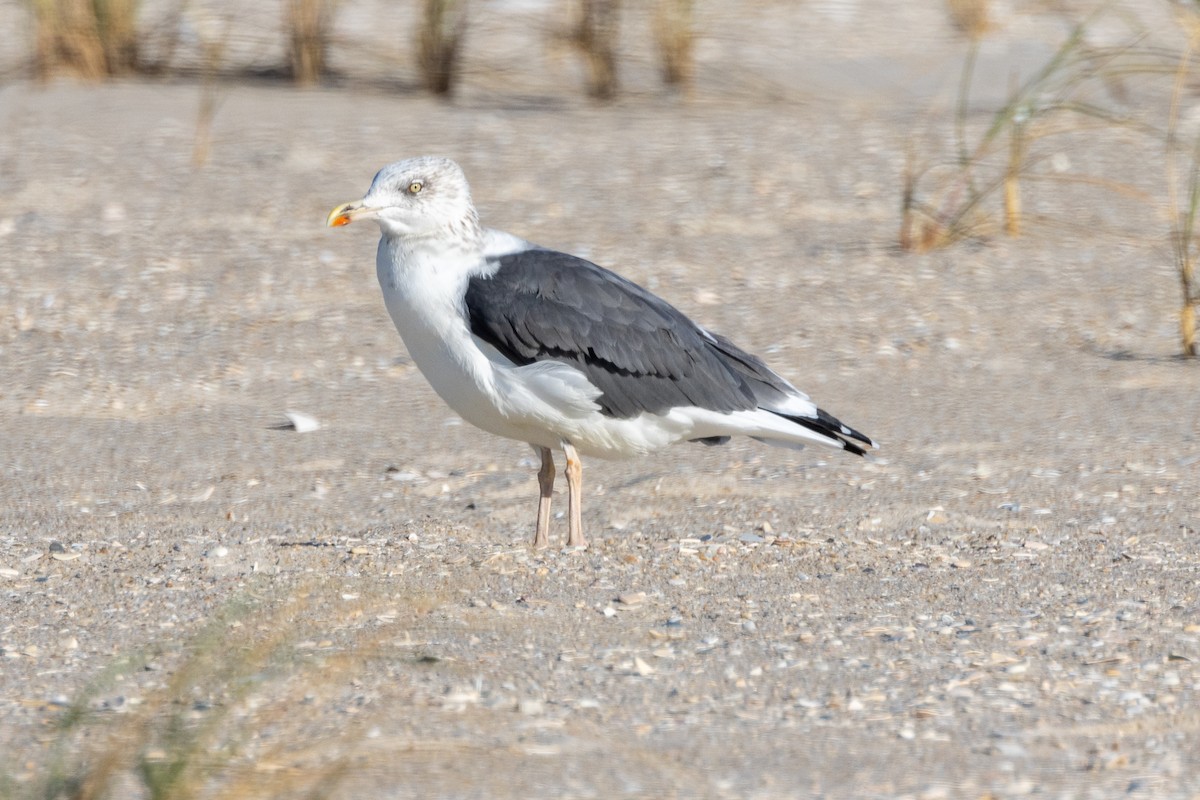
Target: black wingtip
{"x": 851, "y": 447}
{"x": 830, "y": 426}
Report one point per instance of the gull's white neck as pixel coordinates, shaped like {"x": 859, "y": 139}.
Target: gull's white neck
{"x": 424, "y": 280}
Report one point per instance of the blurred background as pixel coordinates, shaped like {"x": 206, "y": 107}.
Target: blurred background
{"x": 965, "y": 227}
{"x": 600, "y": 48}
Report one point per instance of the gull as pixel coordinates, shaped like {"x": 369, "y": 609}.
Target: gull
{"x": 550, "y": 349}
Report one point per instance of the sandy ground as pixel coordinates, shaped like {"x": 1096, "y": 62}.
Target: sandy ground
{"x": 1008, "y": 604}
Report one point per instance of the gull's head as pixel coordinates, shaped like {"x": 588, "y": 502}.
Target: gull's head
{"x": 422, "y": 196}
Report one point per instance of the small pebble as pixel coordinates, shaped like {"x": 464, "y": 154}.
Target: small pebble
{"x": 1011, "y": 749}
{"x": 530, "y": 707}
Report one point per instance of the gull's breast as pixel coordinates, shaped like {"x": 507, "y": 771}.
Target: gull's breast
{"x": 426, "y": 308}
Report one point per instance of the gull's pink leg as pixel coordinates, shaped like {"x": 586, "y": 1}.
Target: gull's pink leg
{"x": 574, "y": 472}
{"x": 541, "y": 537}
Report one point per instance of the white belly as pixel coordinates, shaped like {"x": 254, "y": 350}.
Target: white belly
{"x": 459, "y": 373}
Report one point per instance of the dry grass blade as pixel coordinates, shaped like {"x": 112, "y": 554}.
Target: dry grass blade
{"x": 1012, "y": 177}
{"x": 596, "y": 36}
{"x": 210, "y": 99}
{"x": 908, "y": 221}
{"x": 117, "y": 23}
{"x": 309, "y": 23}
{"x": 194, "y": 737}
{"x": 90, "y": 39}
{"x": 67, "y": 40}
{"x": 1048, "y": 103}
{"x": 1054, "y": 101}
{"x": 969, "y": 16}
{"x": 226, "y": 721}
{"x": 439, "y": 43}
{"x": 1185, "y": 260}
{"x": 675, "y": 35}
{"x": 1012, "y": 185}
{"x": 1183, "y": 220}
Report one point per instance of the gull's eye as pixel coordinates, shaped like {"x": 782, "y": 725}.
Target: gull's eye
{"x": 415, "y": 187}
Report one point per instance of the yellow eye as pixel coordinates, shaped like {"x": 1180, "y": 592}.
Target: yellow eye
{"x": 415, "y": 187}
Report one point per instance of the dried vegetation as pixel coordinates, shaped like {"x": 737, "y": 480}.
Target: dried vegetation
{"x": 1080, "y": 91}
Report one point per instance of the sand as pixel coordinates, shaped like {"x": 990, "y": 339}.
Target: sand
{"x": 1006, "y": 604}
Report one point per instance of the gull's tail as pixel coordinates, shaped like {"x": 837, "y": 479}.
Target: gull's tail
{"x": 779, "y": 397}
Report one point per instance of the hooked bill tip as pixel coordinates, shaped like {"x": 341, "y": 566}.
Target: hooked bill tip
{"x": 340, "y": 216}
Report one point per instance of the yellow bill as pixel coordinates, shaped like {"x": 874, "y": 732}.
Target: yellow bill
{"x": 343, "y": 214}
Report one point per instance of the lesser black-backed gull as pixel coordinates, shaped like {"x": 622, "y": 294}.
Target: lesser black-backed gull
{"x": 550, "y": 349}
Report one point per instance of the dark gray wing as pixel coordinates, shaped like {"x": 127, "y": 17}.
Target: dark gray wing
{"x": 643, "y": 354}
